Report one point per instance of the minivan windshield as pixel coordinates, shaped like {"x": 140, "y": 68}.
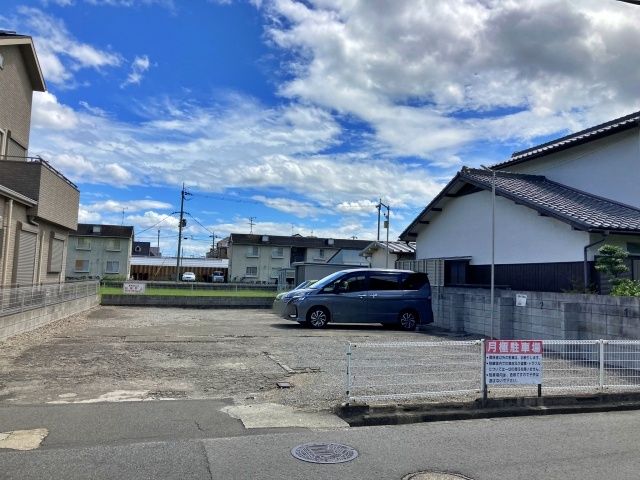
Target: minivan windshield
{"x": 323, "y": 282}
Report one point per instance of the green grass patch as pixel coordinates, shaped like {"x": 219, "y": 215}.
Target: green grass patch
{"x": 184, "y": 292}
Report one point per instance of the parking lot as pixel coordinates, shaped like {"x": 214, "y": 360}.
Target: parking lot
{"x": 119, "y": 353}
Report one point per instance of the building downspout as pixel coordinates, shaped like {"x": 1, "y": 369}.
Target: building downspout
{"x": 5, "y": 241}
{"x": 586, "y": 263}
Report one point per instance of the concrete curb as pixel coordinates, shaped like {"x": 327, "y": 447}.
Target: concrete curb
{"x": 185, "y": 302}
{"x": 365, "y": 415}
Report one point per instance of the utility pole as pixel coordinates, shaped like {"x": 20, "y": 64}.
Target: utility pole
{"x": 386, "y": 225}
{"x": 251, "y": 224}
{"x": 182, "y": 223}
{"x": 213, "y": 244}
{"x": 158, "y": 240}
{"x": 378, "y": 207}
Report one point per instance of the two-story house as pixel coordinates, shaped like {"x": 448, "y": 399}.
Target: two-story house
{"x": 260, "y": 258}
{"x": 100, "y": 251}
{"x": 555, "y": 204}
{"x": 38, "y": 205}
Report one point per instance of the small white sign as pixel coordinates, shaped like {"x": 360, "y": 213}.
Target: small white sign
{"x": 521, "y": 300}
{"x": 513, "y": 362}
{"x": 133, "y": 288}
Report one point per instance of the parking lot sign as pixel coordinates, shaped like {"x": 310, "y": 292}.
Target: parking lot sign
{"x": 513, "y": 362}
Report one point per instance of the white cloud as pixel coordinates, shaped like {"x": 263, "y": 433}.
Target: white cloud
{"x": 407, "y": 67}
{"x": 112, "y": 206}
{"x": 60, "y": 54}
{"x": 48, "y": 113}
{"x": 288, "y": 205}
{"x": 138, "y": 67}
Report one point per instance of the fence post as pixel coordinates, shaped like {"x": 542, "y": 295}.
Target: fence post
{"x": 601, "y": 344}
{"x": 348, "y": 372}
{"x": 483, "y": 367}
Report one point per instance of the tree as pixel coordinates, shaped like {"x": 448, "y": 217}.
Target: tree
{"x": 611, "y": 262}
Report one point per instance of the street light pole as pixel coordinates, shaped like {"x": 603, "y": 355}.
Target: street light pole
{"x": 493, "y": 242}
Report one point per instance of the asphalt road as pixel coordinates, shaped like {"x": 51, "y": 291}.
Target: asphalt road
{"x": 586, "y": 446}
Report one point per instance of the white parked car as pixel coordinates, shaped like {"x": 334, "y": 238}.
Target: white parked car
{"x": 188, "y": 277}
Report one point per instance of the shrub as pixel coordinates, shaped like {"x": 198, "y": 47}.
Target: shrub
{"x": 626, "y": 288}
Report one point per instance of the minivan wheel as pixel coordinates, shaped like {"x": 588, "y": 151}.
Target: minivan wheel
{"x": 318, "y": 317}
{"x": 408, "y": 319}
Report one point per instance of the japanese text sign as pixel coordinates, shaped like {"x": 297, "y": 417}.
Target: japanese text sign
{"x": 513, "y": 362}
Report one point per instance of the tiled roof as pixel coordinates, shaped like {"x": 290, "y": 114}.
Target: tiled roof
{"x": 87, "y": 230}
{"x": 296, "y": 241}
{"x": 574, "y": 206}
{"x": 593, "y": 133}
{"x": 394, "y": 247}
{"x": 582, "y": 210}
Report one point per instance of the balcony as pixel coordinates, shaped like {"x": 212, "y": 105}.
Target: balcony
{"x": 57, "y": 197}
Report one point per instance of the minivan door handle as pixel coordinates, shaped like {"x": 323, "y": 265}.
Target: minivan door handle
{"x": 362, "y": 296}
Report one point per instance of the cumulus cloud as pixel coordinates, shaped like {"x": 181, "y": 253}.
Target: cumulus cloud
{"x": 432, "y": 75}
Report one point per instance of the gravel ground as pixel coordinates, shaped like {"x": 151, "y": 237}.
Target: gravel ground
{"x": 154, "y": 353}
{"x": 120, "y": 353}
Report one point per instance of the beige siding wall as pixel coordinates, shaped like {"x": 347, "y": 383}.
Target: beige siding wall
{"x": 18, "y": 214}
{"x": 98, "y": 255}
{"x": 57, "y": 200}
{"x": 15, "y": 97}
{"x": 264, "y": 262}
{"x": 9, "y": 235}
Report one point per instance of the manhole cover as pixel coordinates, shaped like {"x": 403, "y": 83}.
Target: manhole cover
{"x": 324, "y": 452}
{"x": 435, "y": 476}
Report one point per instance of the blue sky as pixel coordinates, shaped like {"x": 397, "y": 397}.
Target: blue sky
{"x": 303, "y": 114}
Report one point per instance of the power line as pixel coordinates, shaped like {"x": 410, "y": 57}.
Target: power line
{"x": 156, "y": 224}
{"x": 196, "y": 220}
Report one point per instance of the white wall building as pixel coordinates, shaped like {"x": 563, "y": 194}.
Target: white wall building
{"x": 553, "y": 203}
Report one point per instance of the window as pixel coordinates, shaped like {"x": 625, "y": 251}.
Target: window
{"x": 252, "y": 272}
{"x": 56, "y": 249}
{"x": 356, "y": 282}
{"x": 83, "y": 243}
{"x": 321, "y": 253}
{"x": 384, "y": 281}
{"x": 113, "y": 244}
{"x": 113, "y": 266}
{"x": 633, "y": 248}
{"x": 82, "y": 266}
{"x": 415, "y": 281}
{"x": 275, "y": 272}
{"x": 253, "y": 251}
{"x": 277, "y": 252}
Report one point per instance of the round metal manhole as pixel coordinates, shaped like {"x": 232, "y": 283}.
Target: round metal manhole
{"x": 324, "y": 452}
{"x": 435, "y": 476}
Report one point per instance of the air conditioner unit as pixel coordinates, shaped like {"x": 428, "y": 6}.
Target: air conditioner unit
{"x": 265, "y": 238}
{"x": 330, "y": 241}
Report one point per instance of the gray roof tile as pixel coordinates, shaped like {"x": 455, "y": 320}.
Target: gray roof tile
{"x": 574, "y": 206}
{"x": 592, "y": 133}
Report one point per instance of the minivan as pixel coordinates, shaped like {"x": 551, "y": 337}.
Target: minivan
{"x": 387, "y": 296}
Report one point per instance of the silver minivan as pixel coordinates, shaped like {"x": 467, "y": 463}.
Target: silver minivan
{"x": 363, "y": 295}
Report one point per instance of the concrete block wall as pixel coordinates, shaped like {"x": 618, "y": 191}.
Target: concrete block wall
{"x": 28, "y": 320}
{"x": 546, "y": 316}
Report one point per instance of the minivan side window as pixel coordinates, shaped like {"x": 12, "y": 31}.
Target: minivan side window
{"x": 415, "y": 281}
{"x": 348, "y": 284}
{"x": 385, "y": 281}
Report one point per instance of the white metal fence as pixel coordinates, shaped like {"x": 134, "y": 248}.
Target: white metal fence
{"x": 18, "y": 299}
{"x": 378, "y": 372}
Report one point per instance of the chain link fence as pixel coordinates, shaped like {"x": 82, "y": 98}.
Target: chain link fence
{"x": 379, "y": 372}
{"x": 19, "y": 299}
